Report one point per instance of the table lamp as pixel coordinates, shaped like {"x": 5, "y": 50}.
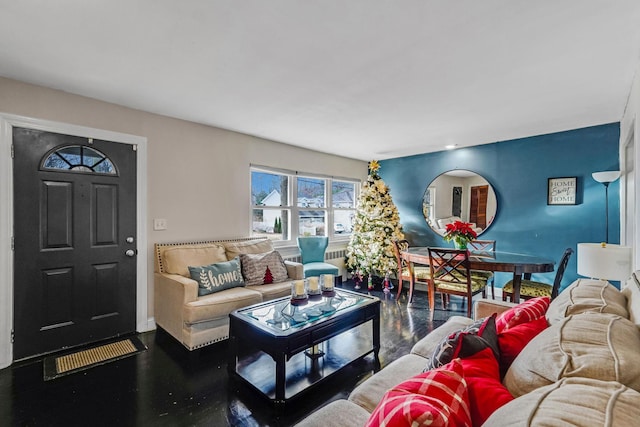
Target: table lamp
{"x": 604, "y": 261}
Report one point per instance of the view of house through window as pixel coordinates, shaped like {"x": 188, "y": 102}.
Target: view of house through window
{"x": 322, "y": 207}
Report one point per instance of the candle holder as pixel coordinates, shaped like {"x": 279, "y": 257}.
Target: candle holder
{"x": 299, "y": 290}
{"x": 327, "y": 283}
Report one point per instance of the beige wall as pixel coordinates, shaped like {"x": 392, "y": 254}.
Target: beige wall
{"x": 198, "y": 176}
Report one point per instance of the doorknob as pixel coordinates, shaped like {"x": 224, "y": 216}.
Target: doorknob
{"x": 130, "y": 252}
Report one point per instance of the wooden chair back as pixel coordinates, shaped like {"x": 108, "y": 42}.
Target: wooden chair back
{"x": 560, "y": 272}
{"x": 482, "y": 245}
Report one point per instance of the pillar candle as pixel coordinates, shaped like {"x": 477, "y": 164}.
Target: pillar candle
{"x": 313, "y": 284}
{"x": 299, "y": 287}
{"x": 328, "y": 281}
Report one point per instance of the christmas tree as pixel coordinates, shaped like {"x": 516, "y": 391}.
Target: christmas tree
{"x": 376, "y": 225}
{"x": 268, "y": 277}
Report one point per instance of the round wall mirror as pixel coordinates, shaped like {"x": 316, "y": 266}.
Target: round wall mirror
{"x": 459, "y": 195}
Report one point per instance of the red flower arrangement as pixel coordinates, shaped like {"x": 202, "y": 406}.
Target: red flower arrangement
{"x": 461, "y": 233}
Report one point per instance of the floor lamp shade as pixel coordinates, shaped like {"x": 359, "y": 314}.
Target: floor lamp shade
{"x": 603, "y": 261}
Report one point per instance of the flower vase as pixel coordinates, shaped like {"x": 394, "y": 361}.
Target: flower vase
{"x": 460, "y": 243}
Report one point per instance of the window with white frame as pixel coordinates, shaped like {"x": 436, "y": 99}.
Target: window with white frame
{"x": 285, "y": 205}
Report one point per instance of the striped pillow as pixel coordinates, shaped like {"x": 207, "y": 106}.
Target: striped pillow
{"x": 522, "y": 313}
{"x": 435, "y": 398}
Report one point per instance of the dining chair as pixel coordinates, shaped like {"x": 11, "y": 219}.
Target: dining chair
{"x": 451, "y": 275}
{"x": 407, "y": 270}
{"x": 312, "y": 250}
{"x": 532, "y": 289}
{"x": 487, "y": 246}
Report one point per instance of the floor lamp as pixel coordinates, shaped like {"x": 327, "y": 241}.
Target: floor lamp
{"x": 606, "y": 178}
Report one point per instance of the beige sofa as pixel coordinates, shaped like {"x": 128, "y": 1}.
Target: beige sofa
{"x": 197, "y": 321}
{"x": 582, "y": 370}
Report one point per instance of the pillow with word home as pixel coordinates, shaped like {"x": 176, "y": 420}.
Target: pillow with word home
{"x": 217, "y": 277}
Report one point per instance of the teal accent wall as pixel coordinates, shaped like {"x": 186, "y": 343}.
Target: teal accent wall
{"x": 518, "y": 171}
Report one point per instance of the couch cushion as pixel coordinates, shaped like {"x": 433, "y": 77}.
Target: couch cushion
{"x": 177, "y": 260}
{"x": 339, "y": 413}
{"x": 436, "y": 398}
{"x": 580, "y": 402}
{"x": 256, "y": 246}
{"x": 273, "y": 290}
{"x": 217, "y": 277}
{"x": 594, "y": 345}
{"x": 219, "y": 304}
{"x": 522, "y": 313}
{"x": 370, "y": 392}
{"x": 263, "y": 268}
{"x": 631, "y": 290}
{"x": 587, "y": 295}
{"x": 427, "y": 345}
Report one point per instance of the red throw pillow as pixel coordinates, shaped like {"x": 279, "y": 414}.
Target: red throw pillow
{"x": 513, "y": 340}
{"x": 435, "y": 398}
{"x": 486, "y": 392}
{"x": 522, "y": 313}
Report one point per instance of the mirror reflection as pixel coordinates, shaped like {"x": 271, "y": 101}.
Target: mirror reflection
{"x": 459, "y": 195}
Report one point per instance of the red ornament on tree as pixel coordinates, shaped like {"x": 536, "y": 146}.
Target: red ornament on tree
{"x": 268, "y": 277}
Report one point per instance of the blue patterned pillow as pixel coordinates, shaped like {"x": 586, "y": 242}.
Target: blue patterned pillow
{"x": 217, "y": 277}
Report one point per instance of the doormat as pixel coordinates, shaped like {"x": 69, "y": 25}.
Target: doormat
{"x": 55, "y": 367}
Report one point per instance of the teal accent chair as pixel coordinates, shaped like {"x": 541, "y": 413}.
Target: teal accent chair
{"x": 312, "y": 249}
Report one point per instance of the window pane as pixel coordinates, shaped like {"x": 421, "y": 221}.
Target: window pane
{"x": 343, "y": 194}
{"x": 311, "y": 223}
{"x": 343, "y": 222}
{"x": 78, "y": 158}
{"x": 271, "y": 223}
{"x": 311, "y": 192}
{"x": 269, "y": 189}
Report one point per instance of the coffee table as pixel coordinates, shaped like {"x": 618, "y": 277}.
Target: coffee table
{"x": 291, "y": 334}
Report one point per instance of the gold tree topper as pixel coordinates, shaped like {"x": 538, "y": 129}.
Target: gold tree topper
{"x": 374, "y": 166}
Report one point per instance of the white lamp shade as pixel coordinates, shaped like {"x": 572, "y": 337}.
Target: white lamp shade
{"x": 608, "y": 262}
{"x": 606, "y": 177}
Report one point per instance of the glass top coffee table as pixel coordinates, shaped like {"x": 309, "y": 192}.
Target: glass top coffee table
{"x": 290, "y": 332}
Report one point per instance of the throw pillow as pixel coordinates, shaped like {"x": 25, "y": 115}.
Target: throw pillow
{"x": 466, "y": 342}
{"x": 258, "y": 269}
{"x": 435, "y": 398}
{"x": 522, "y": 313}
{"x": 593, "y": 345}
{"x": 486, "y": 392}
{"x": 217, "y": 277}
{"x": 513, "y": 340}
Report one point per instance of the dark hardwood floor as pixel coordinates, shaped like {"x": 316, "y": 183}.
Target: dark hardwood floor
{"x": 169, "y": 386}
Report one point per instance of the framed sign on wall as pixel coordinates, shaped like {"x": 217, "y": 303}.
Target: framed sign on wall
{"x": 561, "y": 191}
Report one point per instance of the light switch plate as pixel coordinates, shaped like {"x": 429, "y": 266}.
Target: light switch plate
{"x": 159, "y": 224}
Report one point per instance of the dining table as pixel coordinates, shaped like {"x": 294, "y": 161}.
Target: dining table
{"x": 521, "y": 265}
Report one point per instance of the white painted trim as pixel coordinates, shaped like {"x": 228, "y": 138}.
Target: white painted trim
{"x": 7, "y": 122}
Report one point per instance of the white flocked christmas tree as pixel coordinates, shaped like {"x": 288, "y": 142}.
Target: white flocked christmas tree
{"x": 377, "y": 224}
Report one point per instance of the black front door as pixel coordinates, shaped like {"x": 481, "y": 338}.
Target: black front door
{"x": 74, "y": 240}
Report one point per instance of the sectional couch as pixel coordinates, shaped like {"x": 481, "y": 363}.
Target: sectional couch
{"x": 199, "y": 320}
{"x": 581, "y": 369}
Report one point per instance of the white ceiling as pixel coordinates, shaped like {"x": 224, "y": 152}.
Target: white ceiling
{"x": 362, "y": 78}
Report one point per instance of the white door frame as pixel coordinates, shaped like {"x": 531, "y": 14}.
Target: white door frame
{"x": 7, "y": 122}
